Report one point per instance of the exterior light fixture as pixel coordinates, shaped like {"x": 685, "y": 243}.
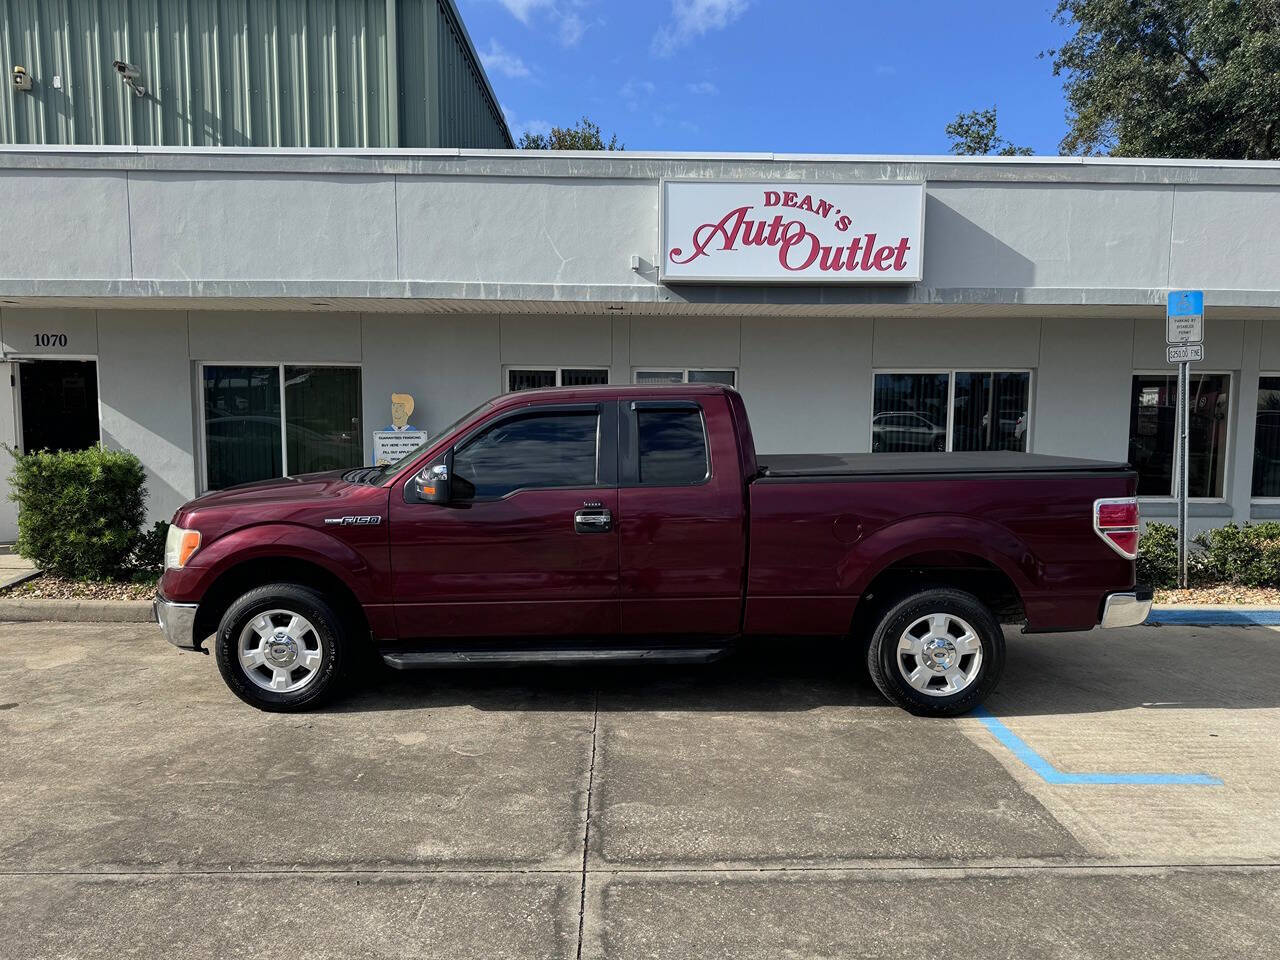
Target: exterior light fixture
{"x": 131, "y": 74}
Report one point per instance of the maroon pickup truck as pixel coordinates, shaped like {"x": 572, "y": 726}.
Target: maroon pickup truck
{"x": 639, "y": 523}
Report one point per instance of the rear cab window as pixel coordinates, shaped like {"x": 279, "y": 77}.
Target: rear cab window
{"x": 672, "y": 446}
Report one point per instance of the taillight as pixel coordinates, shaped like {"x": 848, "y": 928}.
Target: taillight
{"x": 1116, "y": 522}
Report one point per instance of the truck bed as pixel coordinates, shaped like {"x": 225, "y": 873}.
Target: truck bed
{"x": 815, "y": 466}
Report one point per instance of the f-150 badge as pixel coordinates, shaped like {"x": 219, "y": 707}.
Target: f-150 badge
{"x": 353, "y": 521}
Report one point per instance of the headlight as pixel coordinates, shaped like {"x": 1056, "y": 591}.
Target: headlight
{"x": 179, "y": 545}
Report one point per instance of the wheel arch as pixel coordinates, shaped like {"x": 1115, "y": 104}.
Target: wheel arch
{"x": 969, "y": 554}
{"x": 239, "y": 578}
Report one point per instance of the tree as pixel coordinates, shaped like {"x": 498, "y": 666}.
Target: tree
{"x": 1171, "y": 78}
{"x": 585, "y": 136}
{"x": 975, "y": 134}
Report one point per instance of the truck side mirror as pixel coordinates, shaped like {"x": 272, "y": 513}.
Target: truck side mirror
{"x": 434, "y": 484}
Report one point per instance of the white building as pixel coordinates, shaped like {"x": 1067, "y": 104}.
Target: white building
{"x": 174, "y": 302}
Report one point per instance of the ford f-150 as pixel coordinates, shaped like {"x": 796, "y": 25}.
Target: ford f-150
{"x": 639, "y": 523}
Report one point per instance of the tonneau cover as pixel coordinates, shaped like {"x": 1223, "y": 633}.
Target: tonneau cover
{"x": 783, "y": 465}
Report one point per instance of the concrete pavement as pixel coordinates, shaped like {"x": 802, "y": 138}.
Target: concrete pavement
{"x": 15, "y": 569}
{"x": 766, "y": 806}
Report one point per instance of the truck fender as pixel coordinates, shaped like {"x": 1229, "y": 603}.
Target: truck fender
{"x": 290, "y": 540}
{"x": 933, "y": 533}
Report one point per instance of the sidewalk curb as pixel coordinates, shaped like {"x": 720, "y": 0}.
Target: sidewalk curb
{"x": 1215, "y": 616}
{"x": 76, "y": 611}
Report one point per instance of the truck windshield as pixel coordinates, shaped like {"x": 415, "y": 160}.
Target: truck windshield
{"x": 378, "y": 474}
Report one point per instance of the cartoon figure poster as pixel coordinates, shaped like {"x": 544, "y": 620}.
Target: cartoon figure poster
{"x": 401, "y": 437}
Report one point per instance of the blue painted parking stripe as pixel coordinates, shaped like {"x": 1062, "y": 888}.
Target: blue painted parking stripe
{"x": 1051, "y": 774}
{"x": 1217, "y": 618}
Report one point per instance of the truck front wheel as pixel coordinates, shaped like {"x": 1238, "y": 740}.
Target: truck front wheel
{"x": 936, "y": 653}
{"x": 281, "y": 647}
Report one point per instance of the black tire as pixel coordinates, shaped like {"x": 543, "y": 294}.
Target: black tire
{"x": 883, "y": 655}
{"x": 329, "y": 633}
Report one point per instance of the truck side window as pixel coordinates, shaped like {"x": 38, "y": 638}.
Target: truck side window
{"x": 673, "y": 447}
{"x": 537, "y": 451}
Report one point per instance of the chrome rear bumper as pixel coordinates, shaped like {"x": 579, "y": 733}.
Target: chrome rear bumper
{"x": 178, "y": 621}
{"x": 1127, "y": 609}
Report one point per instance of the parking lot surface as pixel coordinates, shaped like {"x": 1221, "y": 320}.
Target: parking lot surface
{"x": 770, "y": 805}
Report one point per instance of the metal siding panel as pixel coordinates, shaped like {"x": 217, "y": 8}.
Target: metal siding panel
{"x": 467, "y": 115}
{"x": 292, "y": 73}
{"x": 413, "y": 72}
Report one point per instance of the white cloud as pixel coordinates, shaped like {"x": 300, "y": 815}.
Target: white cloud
{"x": 690, "y": 19}
{"x": 498, "y": 60}
{"x": 522, "y": 10}
{"x": 564, "y": 15}
{"x": 531, "y": 126}
{"x": 703, "y": 88}
{"x": 520, "y": 127}
{"x": 571, "y": 29}
{"x": 635, "y": 92}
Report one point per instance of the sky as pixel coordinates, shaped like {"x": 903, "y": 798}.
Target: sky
{"x": 788, "y": 76}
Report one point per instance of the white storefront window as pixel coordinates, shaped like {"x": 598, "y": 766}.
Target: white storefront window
{"x": 648, "y": 375}
{"x": 937, "y": 410}
{"x": 530, "y": 378}
{"x": 1153, "y": 417}
{"x": 261, "y": 421}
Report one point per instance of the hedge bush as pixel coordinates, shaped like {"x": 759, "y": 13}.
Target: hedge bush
{"x": 79, "y": 511}
{"x": 1247, "y": 555}
{"x": 149, "y": 552}
{"x": 1158, "y": 556}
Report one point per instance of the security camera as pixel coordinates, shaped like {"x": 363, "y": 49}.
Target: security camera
{"x": 21, "y": 79}
{"x": 130, "y": 73}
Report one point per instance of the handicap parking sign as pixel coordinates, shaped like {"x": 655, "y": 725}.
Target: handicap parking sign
{"x": 1185, "y": 317}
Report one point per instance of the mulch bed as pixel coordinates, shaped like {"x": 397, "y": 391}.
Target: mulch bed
{"x": 47, "y": 587}
{"x": 1224, "y": 594}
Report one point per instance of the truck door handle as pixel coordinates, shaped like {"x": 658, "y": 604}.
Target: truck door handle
{"x": 593, "y": 520}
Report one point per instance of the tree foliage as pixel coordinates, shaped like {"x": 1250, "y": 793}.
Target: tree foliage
{"x": 1171, "y": 78}
{"x": 976, "y": 134}
{"x": 585, "y": 136}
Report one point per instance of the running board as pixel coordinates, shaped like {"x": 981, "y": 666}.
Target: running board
{"x": 426, "y": 659}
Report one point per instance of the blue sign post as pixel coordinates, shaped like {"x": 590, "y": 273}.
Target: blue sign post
{"x": 1184, "y": 332}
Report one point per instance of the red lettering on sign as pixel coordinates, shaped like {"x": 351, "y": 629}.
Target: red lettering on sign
{"x": 799, "y": 247}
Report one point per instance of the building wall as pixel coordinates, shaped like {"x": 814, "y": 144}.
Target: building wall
{"x": 498, "y": 227}
{"x": 807, "y": 382}
{"x": 289, "y": 73}
{"x": 484, "y": 261}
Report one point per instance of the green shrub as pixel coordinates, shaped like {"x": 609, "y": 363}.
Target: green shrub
{"x": 149, "y": 552}
{"x": 1158, "y": 556}
{"x": 1247, "y": 555}
{"x": 78, "y": 511}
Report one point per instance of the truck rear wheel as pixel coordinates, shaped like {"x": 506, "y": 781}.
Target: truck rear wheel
{"x": 281, "y": 647}
{"x": 936, "y": 653}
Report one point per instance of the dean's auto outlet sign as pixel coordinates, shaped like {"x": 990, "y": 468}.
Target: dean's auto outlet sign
{"x": 770, "y": 232}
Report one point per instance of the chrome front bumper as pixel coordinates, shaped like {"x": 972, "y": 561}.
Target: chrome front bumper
{"x": 178, "y": 621}
{"x": 1126, "y": 609}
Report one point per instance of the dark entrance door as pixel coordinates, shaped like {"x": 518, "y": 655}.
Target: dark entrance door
{"x": 59, "y": 404}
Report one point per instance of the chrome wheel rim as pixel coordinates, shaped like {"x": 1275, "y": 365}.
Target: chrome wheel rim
{"x": 939, "y": 655}
{"x": 280, "y": 651}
